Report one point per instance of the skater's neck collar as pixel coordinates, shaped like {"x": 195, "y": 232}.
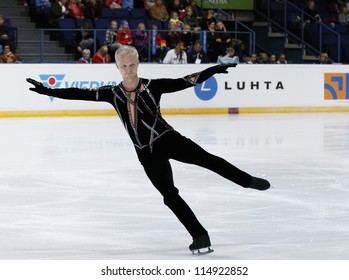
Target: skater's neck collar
{"x": 133, "y": 90}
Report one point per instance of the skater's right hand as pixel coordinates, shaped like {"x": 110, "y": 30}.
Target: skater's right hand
{"x": 38, "y": 87}
{"x": 223, "y": 68}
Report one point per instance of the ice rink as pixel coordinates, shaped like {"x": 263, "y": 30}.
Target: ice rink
{"x": 72, "y": 188}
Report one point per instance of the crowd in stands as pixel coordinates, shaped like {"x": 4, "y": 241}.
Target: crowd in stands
{"x": 326, "y": 11}
{"x": 7, "y": 47}
{"x": 176, "y": 25}
{"x": 329, "y": 11}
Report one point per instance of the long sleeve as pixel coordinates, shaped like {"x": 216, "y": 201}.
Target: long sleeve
{"x": 100, "y": 94}
{"x": 172, "y": 85}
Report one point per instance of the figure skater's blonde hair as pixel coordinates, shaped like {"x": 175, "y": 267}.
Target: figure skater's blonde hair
{"x": 126, "y": 51}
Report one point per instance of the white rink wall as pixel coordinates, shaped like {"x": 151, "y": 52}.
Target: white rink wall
{"x": 247, "y": 88}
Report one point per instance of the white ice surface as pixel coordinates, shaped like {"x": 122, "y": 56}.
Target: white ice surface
{"x": 72, "y": 188}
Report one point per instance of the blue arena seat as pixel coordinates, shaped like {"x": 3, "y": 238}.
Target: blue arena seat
{"x": 8, "y": 22}
{"x": 80, "y": 21}
{"x": 342, "y": 29}
{"x": 101, "y": 25}
{"x": 107, "y": 13}
{"x": 134, "y": 22}
{"x": 150, "y": 22}
{"x": 311, "y": 33}
{"x": 67, "y": 35}
{"x": 121, "y": 13}
{"x": 138, "y": 13}
{"x": 345, "y": 48}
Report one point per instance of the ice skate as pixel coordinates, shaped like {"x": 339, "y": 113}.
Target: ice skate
{"x": 201, "y": 245}
{"x": 259, "y": 184}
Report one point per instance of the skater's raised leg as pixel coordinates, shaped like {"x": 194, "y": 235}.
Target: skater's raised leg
{"x": 189, "y": 152}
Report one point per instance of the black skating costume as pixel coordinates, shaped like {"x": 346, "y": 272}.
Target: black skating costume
{"x": 155, "y": 141}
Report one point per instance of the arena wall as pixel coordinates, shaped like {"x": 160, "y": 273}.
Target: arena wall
{"x": 246, "y": 89}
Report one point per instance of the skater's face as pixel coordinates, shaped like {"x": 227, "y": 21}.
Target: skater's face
{"x": 128, "y": 66}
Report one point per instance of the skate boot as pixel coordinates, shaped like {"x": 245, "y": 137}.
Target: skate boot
{"x": 259, "y": 184}
{"x": 201, "y": 245}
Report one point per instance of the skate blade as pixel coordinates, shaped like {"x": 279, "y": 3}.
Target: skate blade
{"x": 201, "y": 252}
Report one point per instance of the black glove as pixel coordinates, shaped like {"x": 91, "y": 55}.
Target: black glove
{"x": 39, "y": 87}
{"x": 217, "y": 69}
{"x": 222, "y": 68}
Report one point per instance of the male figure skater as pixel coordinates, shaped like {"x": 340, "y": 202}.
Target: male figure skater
{"x": 137, "y": 101}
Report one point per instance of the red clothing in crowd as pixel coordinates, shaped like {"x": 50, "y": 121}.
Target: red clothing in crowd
{"x": 75, "y": 11}
{"x": 100, "y": 58}
{"x": 125, "y": 37}
{"x": 110, "y": 3}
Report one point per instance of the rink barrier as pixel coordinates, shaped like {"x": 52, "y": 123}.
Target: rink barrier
{"x": 182, "y": 111}
{"x": 246, "y": 89}
{"x": 255, "y": 110}
{"x": 57, "y": 113}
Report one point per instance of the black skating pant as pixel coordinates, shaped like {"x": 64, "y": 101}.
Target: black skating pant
{"x": 173, "y": 145}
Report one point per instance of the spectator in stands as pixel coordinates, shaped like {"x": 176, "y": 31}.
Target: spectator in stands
{"x": 187, "y": 37}
{"x": 112, "y": 38}
{"x": 345, "y": 3}
{"x": 159, "y": 12}
{"x": 86, "y": 57}
{"x": 238, "y": 45}
{"x": 4, "y": 37}
{"x": 197, "y": 11}
{"x": 312, "y": 15}
{"x": 281, "y": 59}
{"x": 38, "y": 10}
{"x": 57, "y": 11}
{"x": 264, "y": 58}
{"x": 190, "y": 19}
{"x": 128, "y": 4}
{"x": 324, "y": 59}
{"x": 205, "y": 22}
{"x": 343, "y": 16}
{"x": 148, "y": 4}
{"x": 124, "y": 33}
{"x": 7, "y": 56}
{"x": 253, "y": 59}
{"x": 83, "y": 39}
{"x": 75, "y": 10}
{"x": 229, "y": 57}
{"x": 175, "y": 19}
{"x": 214, "y": 47}
{"x": 222, "y": 36}
{"x": 217, "y": 40}
{"x": 160, "y": 50}
{"x": 178, "y": 6}
{"x": 196, "y": 54}
{"x": 93, "y": 9}
{"x": 333, "y": 7}
{"x": 176, "y": 55}
{"x": 101, "y": 55}
{"x": 113, "y": 4}
{"x": 172, "y": 37}
{"x": 272, "y": 59}
{"x": 141, "y": 42}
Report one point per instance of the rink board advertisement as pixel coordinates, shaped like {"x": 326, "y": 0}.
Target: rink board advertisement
{"x": 246, "y": 87}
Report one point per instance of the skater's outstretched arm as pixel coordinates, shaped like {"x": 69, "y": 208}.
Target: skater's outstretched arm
{"x": 198, "y": 78}
{"x": 99, "y": 94}
{"x": 172, "y": 85}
